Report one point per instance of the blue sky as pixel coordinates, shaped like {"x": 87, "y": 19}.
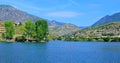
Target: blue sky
{"x": 78, "y": 12}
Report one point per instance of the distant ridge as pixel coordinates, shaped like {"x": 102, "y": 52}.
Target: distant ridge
{"x": 108, "y": 19}
{"x": 8, "y": 12}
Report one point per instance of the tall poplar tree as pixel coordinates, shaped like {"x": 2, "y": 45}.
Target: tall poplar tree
{"x": 29, "y": 29}
{"x": 9, "y": 29}
{"x": 41, "y": 29}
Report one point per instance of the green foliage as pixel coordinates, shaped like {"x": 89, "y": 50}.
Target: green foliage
{"x": 115, "y": 39}
{"x": 41, "y": 29}
{"x": 9, "y": 29}
{"x": 37, "y": 30}
{"x": 52, "y": 37}
{"x": 20, "y": 30}
{"x": 107, "y": 39}
{"x": 101, "y": 40}
{"x": 29, "y": 29}
{"x": 20, "y": 39}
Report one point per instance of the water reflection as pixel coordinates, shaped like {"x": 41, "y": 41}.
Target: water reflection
{"x": 60, "y": 52}
{"x": 23, "y": 53}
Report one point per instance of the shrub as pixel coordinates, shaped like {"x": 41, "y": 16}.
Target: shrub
{"x": 20, "y": 39}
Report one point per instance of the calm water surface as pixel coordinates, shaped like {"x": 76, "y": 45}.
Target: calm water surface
{"x": 60, "y": 52}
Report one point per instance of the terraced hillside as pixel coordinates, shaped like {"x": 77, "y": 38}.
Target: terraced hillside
{"x": 111, "y": 29}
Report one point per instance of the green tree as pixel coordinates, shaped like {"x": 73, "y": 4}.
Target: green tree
{"x": 29, "y": 29}
{"x": 41, "y": 29}
{"x": 101, "y": 39}
{"x": 22, "y": 29}
{"x": 10, "y": 30}
{"x": 108, "y": 38}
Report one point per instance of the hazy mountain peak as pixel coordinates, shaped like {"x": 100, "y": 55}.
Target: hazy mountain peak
{"x": 108, "y": 19}
{"x": 55, "y": 23}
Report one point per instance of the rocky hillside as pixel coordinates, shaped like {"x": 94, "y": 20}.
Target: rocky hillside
{"x": 55, "y": 23}
{"x": 8, "y": 12}
{"x": 63, "y": 30}
{"x": 111, "y": 29}
{"x": 108, "y": 19}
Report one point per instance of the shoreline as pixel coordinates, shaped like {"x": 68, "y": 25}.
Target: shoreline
{"x": 23, "y": 41}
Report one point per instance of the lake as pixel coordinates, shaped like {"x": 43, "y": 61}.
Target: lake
{"x": 60, "y": 52}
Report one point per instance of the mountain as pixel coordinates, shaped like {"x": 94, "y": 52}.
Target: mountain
{"x": 110, "y": 29}
{"x": 64, "y": 29}
{"x": 8, "y": 12}
{"x": 108, "y": 19}
{"x": 55, "y": 23}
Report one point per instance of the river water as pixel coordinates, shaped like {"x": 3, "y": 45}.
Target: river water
{"x": 60, "y": 52}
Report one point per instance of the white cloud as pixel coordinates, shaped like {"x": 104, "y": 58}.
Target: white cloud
{"x": 63, "y": 14}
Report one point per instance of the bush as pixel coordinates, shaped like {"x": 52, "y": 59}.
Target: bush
{"x": 20, "y": 39}
{"x": 116, "y": 39}
{"x": 101, "y": 40}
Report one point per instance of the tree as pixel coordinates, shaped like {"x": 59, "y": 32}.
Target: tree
{"x": 9, "y": 29}
{"x": 101, "y": 39}
{"x": 29, "y": 29}
{"x": 41, "y": 29}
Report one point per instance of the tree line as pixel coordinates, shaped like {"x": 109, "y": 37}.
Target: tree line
{"x": 90, "y": 39}
{"x": 34, "y": 31}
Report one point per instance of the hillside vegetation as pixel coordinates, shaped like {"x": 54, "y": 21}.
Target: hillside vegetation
{"x": 28, "y": 31}
{"x": 111, "y": 30}
{"x": 63, "y": 30}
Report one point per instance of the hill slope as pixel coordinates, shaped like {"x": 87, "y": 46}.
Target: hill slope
{"x": 111, "y": 29}
{"x": 8, "y": 12}
{"x": 63, "y": 30}
{"x": 108, "y": 19}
